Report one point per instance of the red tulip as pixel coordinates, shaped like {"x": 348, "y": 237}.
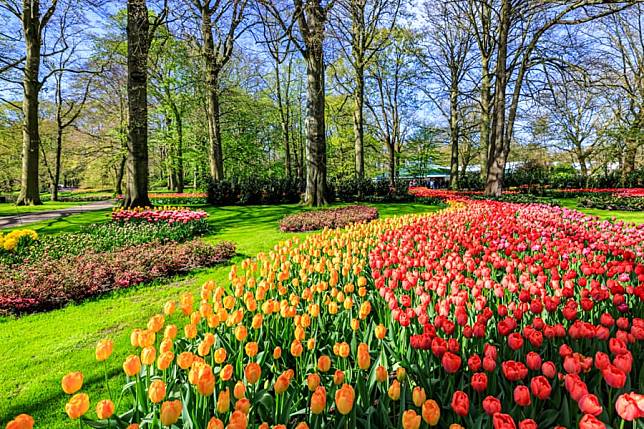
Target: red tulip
{"x": 614, "y": 377}
{"x": 522, "y": 396}
{"x": 528, "y": 424}
{"x": 479, "y": 382}
{"x": 491, "y": 405}
{"x": 460, "y": 403}
{"x": 589, "y": 421}
{"x": 540, "y": 387}
{"x": 451, "y": 362}
{"x": 503, "y": 421}
{"x": 589, "y": 404}
{"x": 630, "y": 406}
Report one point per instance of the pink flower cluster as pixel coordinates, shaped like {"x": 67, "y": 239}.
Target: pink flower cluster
{"x": 164, "y": 214}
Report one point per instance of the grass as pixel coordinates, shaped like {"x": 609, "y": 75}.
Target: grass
{"x": 38, "y": 349}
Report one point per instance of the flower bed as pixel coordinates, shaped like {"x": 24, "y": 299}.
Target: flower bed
{"x": 327, "y": 218}
{"x": 16, "y": 240}
{"x": 487, "y": 314}
{"x": 53, "y": 283}
{"x": 154, "y": 215}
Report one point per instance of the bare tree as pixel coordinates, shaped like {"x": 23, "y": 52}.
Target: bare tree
{"x": 34, "y": 20}
{"x": 304, "y": 24}
{"x": 448, "y": 61}
{"x": 359, "y": 25}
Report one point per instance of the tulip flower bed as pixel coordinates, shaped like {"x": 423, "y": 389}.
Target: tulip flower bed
{"x": 328, "y": 218}
{"x": 488, "y": 314}
{"x": 174, "y": 198}
{"x": 52, "y": 283}
{"x": 155, "y": 215}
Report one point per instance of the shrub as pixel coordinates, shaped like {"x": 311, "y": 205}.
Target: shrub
{"x": 612, "y": 202}
{"x": 53, "y": 283}
{"x": 352, "y": 189}
{"x": 327, "y": 218}
{"x": 255, "y": 191}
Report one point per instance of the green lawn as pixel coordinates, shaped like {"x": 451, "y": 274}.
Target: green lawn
{"x": 627, "y": 216}
{"x": 38, "y": 349}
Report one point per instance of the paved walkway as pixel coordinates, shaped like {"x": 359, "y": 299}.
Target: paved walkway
{"x": 27, "y": 218}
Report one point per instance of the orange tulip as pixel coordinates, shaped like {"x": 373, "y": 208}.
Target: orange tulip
{"x": 381, "y": 374}
{"x": 243, "y": 405}
{"x": 239, "y": 391}
{"x": 381, "y": 331}
{"x": 431, "y": 412}
{"x": 252, "y": 372}
{"x": 277, "y": 353}
{"x": 344, "y": 397}
{"x": 146, "y": 338}
{"x": 77, "y": 405}
{"x": 238, "y": 420}
{"x": 148, "y": 354}
{"x": 205, "y": 380}
{"x": 401, "y": 373}
{"x": 241, "y": 333}
{"x": 455, "y": 426}
{"x": 343, "y": 350}
{"x": 296, "y": 348}
{"x": 170, "y": 412}
{"x": 132, "y": 365}
{"x": 410, "y": 420}
{"x": 169, "y": 308}
{"x": 324, "y": 363}
{"x": 364, "y": 360}
{"x": 338, "y": 377}
{"x": 104, "y": 409}
{"x": 104, "y": 349}
{"x": 220, "y": 355}
{"x": 281, "y": 384}
{"x": 190, "y": 331}
{"x": 156, "y": 391}
{"x": 223, "y": 401}
{"x": 312, "y": 381}
{"x": 155, "y": 324}
{"x": 21, "y": 421}
{"x": 394, "y": 390}
{"x": 215, "y": 423}
{"x": 318, "y": 400}
{"x": 166, "y": 345}
{"x": 251, "y": 349}
{"x": 164, "y": 360}
{"x": 133, "y": 426}
{"x": 72, "y": 382}
{"x": 185, "y": 359}
{"x": 418, "y": 396}
{"x": 226, "y": 373}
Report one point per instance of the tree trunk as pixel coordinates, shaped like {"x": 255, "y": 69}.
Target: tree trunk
{"x": 496, "y": 159}
{"x": 453, "y": 132}
{"x": 178, "y": 123}
{"x": 137, "y": 145}
{"x": 29, "y": 188}
{"x": 59, "y": 153}
{"x": 485, "y": 115}
{"x": 284, "y": 118}
{"x": 120, "y": 172}
{"x": 392, "y": 160}
{"x": 315, "y": 129}
{"x": 358, "y": 122}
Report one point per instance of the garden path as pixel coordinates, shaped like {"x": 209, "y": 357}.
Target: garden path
{"x": 27, "y": 218}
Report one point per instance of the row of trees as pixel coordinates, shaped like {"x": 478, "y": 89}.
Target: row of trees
{"x": 186, "y": 89}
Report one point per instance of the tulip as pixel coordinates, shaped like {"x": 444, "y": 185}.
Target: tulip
{"x": 614, "y": 377}
{"x": 72, "y": 382}
{"x": 21, "y": 421}
{"x": 479, "y": 382}
{"x": 223, "y": 401}
{"x": 503, "y": 421}
{"x": 460, "y": 403}
{"x": 148, "y": 354}
{"x": 381, "y": 331}
{"x": 338, "y": 377}
{"x": 104, "y": 409}
{"x": 156, "y": 391}
{"x": 418, "y": 396}
{"x": 226, "y": 372}
{"x": 239, "y": 391}
{"x": 540, "y": 387}
{"x": 528, "y": 424}
{"x": 205, "y": 380}
{"x": 630, "y": 406}
{"x": 344, "y": 397}
{"x": 220, "y": 355}
{"x": 491, "y": 405}
{"x": 589, "y": 421}
{"x": 431, "y": 412}
{"x": 243, "y": 405}
{"x": 77, "y": 406}
{"x": 410, "y": 420}
{"x": 170, "y": 412}
{"x": 281, "y": 384}
{"x": 215, "y": 423}
{"x": 451, "y": 362}
{"x": 394, "y": 390}
{"x": 324, "y": 363}
{"x": 522, "y": 396}
{"x": 253, "y": 372}
{"x": 312, "y": 381}
{"x": 589, "y": 404}
{"x": 364, "y": 360}
{"x": 104, "y": 349}
{"x": 381, "y": 374}
{"x": 132, "y": 365}
{"x": 318, "y": 400}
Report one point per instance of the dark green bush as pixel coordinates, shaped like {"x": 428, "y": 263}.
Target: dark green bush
{"x": 255, "y": 191}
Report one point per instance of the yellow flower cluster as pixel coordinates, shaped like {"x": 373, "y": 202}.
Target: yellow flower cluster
{"x": 10, "y": 241}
